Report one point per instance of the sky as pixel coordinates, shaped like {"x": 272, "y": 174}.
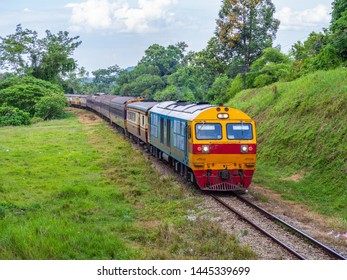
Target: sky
{"x": 119, "y": 31}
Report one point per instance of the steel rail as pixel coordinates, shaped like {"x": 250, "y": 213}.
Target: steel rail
{"x": 325, "y": 248}
{"x": 257, "y": 227}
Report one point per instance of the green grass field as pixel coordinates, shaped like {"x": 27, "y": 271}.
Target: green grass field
{"x": 72, "y": 190}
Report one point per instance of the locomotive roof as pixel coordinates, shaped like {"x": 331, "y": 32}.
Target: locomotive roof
{"x": 181, "y": 109}
{"x": 143, "y": 106}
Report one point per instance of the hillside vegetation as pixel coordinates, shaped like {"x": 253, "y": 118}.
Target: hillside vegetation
{"x": 302, "y": 136}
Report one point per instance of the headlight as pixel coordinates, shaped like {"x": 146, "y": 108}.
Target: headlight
{"x": 244, "y": 148}
{"x": 223, "y": 116}
{"x": 205, "y": 149}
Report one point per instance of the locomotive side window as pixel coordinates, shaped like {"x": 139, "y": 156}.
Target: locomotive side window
{"x": 239, "y": 131}
{"x": 208, "y": 131}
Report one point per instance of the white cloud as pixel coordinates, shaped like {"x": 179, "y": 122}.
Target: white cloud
{"x": 118, "y": 15}
{"x": 318, "y": 16}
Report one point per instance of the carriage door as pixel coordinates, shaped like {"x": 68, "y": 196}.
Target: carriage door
{"x": 168, "y": 133}
{"x": 162, "y": 136}
{"x": 187, "y": 137}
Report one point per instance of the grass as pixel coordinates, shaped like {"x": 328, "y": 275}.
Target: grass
{"x": 302, "y": 130}
{"x": 72, "y": 190}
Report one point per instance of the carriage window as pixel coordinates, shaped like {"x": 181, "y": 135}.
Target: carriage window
{"x": 208, "y": 131}
{"x": 239, "y": 131}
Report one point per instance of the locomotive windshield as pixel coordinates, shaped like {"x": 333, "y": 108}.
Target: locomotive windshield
{"x": 239, "y": 131}
{"x": 208, "y": 131}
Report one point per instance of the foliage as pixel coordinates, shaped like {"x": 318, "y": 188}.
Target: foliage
{"x": 167, "y": 60}
{"x": 13, "y": 116}
{"x": 46, "y": 58}
{"x": 151, "y": 74}
{"x": 169, "y": 93}
{"x": 326, "y": 50}
{"x": 235, "y": 86}
{"x": 188, "y": 83}
{"x": 217, "y": 93}
{"x": 271, "y": 67}
{"x": 50, "y": 107}
{"x": 339, "y": 33}
{"x": 24, "y": 92}
{"x": 77, "y": 82}
{"x": 245, "y": 28}
{"x": 104, "y": 79}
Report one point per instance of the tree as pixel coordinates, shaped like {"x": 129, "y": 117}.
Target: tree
{"x": 168, "y": 60}
{"x": 46, "y": 58}
{"x": 217, "y": 93}
{"x": 271, "y": 67}
{"x": 78, "y": 81}
{"x": 338, "y": 28}
{"x": 105, "y": 78}
{"x": 310, "y": 48}
{"x": 339, "y": 9}
{"x": 246, "y": 27}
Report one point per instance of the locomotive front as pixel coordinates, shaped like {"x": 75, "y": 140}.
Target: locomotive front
{"x": 222, "y": 149}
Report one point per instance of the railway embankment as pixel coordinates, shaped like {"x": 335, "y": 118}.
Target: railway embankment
{"x": 302, "y": 137}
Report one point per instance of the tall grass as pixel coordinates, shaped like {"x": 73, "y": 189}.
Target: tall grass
{"x": 80, "y": 191}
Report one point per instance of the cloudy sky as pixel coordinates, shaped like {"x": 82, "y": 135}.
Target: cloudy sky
{"x": 119, "y": 31}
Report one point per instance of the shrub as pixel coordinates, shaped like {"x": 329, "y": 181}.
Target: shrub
{"x": 50, "y": 107}
{"x": 13, "y": 116}
{"x": 25, "y": 92}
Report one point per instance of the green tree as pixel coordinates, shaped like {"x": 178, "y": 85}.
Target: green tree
{"x": 47, "y": 58}
{"x": 169, "y": 93}
{"x": 78, "y": 81}
{"x": 104, "y": 79}
{"x": 339, "y": 9}
{"x": 245, "y": 28}
{"x": 188, "y": 82}
{"x": 217, "y": 93}
{"x": 271, "y": 67}
{"x": 146, "y": 85}
{"x": 338, "y": 28}
{"x": 310, "y": 48}
{"x": 167, "y": 60}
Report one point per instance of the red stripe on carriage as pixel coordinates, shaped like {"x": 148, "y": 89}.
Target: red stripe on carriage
{"x": 225, "y": 148}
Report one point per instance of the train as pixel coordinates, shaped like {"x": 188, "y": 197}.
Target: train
{"x": 211, "y": 146}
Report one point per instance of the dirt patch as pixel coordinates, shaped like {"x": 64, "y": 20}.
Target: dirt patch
{"x": 297, "y": 176}
{"x": 328, "y": 230}
{"x": 86, "y": 117}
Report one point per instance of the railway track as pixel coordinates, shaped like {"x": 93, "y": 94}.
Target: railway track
{"x": 296, "y": 242}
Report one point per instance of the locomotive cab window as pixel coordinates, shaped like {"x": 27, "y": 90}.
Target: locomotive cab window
{"x": 208, "y": 131}
{"x": 239, "y": 131}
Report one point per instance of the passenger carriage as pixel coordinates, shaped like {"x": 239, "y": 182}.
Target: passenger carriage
{"x": 137, "y": 120}
{"x": 118, "y": 110}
